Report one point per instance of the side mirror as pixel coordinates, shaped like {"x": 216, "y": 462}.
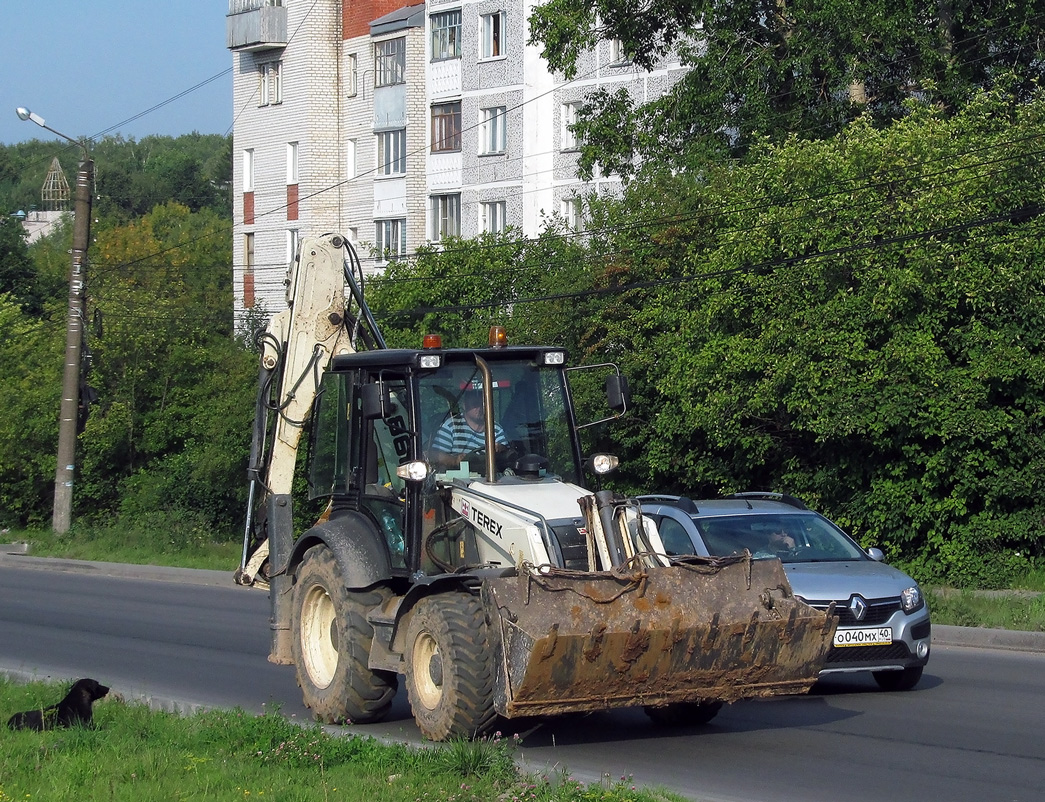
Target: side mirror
{"x": 375, "y": 400}
{"x": 617, "y": 393}
{"x": 876, "y": 554}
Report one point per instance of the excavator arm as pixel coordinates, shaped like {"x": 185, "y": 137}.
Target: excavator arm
{"x": 296, "y": 347}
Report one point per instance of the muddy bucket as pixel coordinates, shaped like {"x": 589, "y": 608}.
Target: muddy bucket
{"x": 707, "y": 630}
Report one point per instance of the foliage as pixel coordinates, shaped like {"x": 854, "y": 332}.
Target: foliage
{"x": 777, "y": 68}
{"x": 132, "y": 176}
{"x": 30, "y": 363}
{"x": 858, "y": 322}
{"x": 176, "y": 391}
{"x": 17, "y": 276}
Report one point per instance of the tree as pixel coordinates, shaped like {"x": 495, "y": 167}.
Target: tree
{"x": 774, "y": 68}
{"x": 856, "y": 321}
{"x": 16, "y": 267}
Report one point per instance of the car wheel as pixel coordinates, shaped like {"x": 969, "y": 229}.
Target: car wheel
{"x": 898, "y": 680}
{"x": 331, "y": 645}
{"x": 683, "y": 713}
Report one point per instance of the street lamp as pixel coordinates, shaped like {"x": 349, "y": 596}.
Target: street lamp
{"x": 63, "y": 476}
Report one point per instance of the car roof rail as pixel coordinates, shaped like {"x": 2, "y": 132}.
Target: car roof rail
{"x": 783, "y": 498}
{"x": 683, "y": 503}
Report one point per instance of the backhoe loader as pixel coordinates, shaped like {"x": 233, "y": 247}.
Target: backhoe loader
{"x": 461, "y": 547}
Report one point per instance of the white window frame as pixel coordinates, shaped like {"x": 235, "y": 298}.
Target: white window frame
{"x": 270, "y": 83}
{"x": 568, "y": 114}
{"x": 248, "y": 170}
{"x": 492, "y": 216}
{"x": 292, "y": 163}
{"x": 293, "y": 240}
{"x": 446, "y": 216}
{"x": 352, "y": 70}
{"x": 390, "y": 62}
{"x": 391, "y": 152}
{"x": 493, "y": 136}
{"x": 350, "y": 158}
{"x": 573, "y": 213}
{"x": 390, "y": 238}
{"x": 446, "y": 34}
{"x": 491, "y": 41}
{"x": 617, "y": 55}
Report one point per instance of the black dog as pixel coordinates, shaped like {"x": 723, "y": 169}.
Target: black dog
{"x": 74, "y": 709}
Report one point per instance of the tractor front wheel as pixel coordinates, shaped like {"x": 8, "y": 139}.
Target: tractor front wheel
{"x": 449, "y": 674}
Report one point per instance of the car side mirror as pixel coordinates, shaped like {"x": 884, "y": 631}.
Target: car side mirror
{"x": 876, "y": 554}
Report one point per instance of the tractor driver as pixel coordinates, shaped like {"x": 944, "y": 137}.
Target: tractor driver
{"x": 464, "y": 434}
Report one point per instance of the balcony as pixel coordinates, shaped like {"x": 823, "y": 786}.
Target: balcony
{"x": 256, "y": 25}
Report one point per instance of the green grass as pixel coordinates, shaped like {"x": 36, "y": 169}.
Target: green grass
{"x": 139, "y": 755}
{"x": 994, "y": 609}
{"x": 168, "y": 543}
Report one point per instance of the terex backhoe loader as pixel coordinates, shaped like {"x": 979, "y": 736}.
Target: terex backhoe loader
{"x": 491, "y": 579}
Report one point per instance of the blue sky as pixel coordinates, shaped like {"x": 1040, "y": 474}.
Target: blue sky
{"x": 89, "y": 67}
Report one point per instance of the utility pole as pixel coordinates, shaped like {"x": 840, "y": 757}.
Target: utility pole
{"x": 66, "y": 467}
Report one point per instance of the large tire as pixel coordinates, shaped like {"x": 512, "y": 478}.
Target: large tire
{"x": 898, "y": 680}
{"x": 449, "y": 671}
{"x": 683, "y": 713}
{"x": 331, "y": 644}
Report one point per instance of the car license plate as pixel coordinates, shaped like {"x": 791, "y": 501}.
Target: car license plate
{"x": 864, "y": 636}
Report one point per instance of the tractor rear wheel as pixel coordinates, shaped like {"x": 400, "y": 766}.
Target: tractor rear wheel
{"x": 331, "y": 644}
{"x": 449, "y": 671}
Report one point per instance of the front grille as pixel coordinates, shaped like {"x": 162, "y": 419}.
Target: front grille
{"x": 878, "y": 611}
{"x": 868, "y": 654}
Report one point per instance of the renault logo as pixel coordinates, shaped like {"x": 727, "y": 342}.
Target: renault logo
{"x": 858, "y": 607}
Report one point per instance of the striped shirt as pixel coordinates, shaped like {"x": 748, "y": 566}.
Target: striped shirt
{"x": 455, "y": 436}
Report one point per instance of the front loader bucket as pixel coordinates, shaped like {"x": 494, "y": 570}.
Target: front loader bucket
{"x": 707, "y": 630}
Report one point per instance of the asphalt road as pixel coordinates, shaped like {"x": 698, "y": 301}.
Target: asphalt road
{"x": 972, "y": 730}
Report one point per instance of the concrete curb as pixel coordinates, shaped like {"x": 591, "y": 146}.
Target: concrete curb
{"x": 14, "y": 555}
{"x": 983, "y": 638}
{"x": 11, "y": 555}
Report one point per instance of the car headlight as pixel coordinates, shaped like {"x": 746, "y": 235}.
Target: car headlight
{"x": 911, "y": 599}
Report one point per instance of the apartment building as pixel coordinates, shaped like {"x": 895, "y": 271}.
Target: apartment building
{"x": 399, "y": 124}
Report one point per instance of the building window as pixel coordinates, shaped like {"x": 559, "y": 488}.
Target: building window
{"x": 572, "y": 212}
{"x": 270, "y": 83}
{"x": 248, "y": 271}
{"x": 352, "y": 75}
{"x": 492, "y": 131}
{"x": 390, "y": 238}
{"x": 617, "y": 54}
{"x": 293, "y": 239}
{"x": 391, "y": 152}
{"x": 248, "y": 170}
{"x": 492, "y": 43}
{"x": 292, "y": 162}
{"x": 390, "y": 62}
{"x": 446, "y": 217}
{"x": 350, "y": 159}
{"x": 446, "y": 35}
{"x": 492, "y": 217}
{"x": 446, "y": 127}
{"x": 569, "y": 118}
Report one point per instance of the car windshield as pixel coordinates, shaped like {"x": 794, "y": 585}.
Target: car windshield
{"x": 793, "y": 537}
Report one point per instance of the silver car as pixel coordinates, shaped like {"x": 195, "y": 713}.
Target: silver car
{"x": 884, "y": 622}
